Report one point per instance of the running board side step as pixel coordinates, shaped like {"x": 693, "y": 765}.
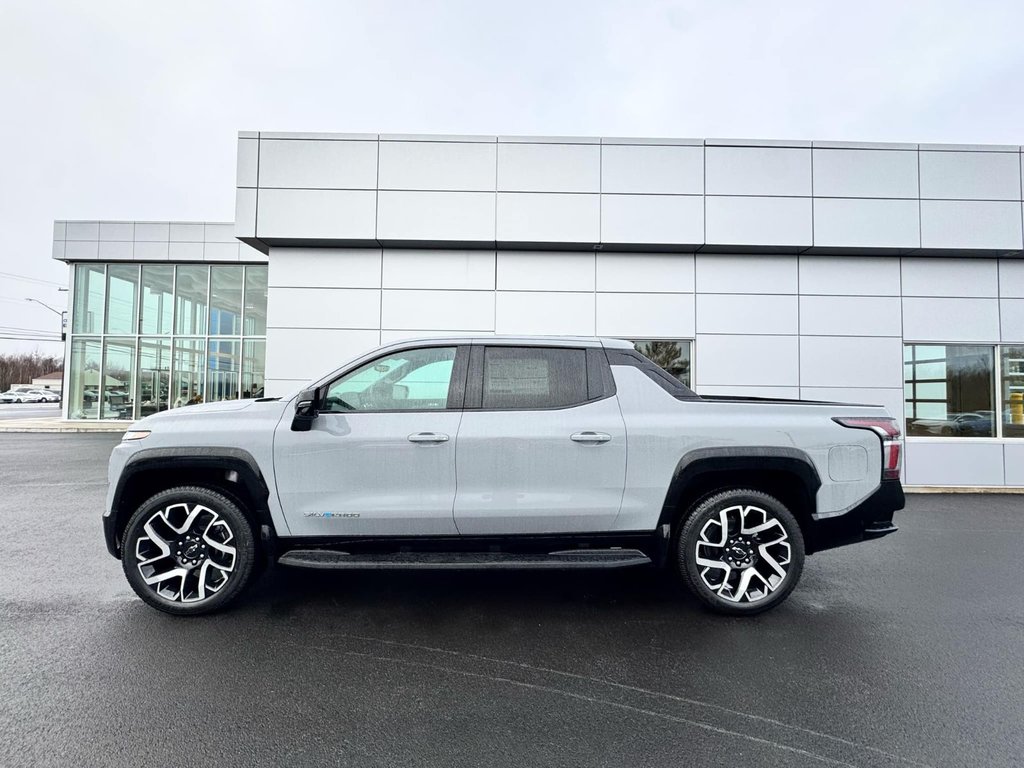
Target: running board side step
{"x": 574, "y": 558}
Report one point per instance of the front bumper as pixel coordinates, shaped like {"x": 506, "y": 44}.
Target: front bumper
{"x": 871, "y": 519}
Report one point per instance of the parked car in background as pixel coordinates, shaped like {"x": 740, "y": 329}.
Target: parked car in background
{"x": 47, "y": 395}
{"x": 20, "y": 394}
{"x": 971, "y": 424}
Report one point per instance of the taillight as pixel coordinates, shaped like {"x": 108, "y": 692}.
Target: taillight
{"x": 888, "y": 431}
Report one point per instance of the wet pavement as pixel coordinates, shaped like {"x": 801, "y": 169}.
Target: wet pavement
{"x": 904, "y": 651}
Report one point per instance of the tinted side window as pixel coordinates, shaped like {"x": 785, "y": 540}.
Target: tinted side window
{"x": 528, "y": 378}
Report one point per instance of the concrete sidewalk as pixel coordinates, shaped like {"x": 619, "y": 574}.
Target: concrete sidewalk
{"x": 51, "y": 424}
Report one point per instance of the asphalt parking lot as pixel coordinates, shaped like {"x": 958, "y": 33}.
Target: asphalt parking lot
{"x": 904, "y": 651}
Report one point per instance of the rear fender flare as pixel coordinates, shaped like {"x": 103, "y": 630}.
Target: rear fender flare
{"x": 738, "y": 459}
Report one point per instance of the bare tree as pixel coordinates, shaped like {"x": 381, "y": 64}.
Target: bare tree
{"x": 23, "y": 367}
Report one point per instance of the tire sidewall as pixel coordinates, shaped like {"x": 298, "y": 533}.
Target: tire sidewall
{"x": 708, "y": 508}
{"x": 243, "y": 540}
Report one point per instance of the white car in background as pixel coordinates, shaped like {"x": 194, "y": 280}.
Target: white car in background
{"x": 46, "y": 395}
{"x": 20, "y": 395}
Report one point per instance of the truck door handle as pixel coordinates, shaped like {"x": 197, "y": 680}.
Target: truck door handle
{"x": 428, "y": 437}
{"x": 590, "y": 437}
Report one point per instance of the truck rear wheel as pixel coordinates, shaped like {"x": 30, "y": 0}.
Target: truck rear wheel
{"x": 188, "y": 551}
{"x": 740, "y": 551}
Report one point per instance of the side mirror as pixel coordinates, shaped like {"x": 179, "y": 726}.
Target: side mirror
{"x": 305, "y": 411}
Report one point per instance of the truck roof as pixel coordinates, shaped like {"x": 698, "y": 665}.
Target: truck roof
{"x": 516, "y": 340}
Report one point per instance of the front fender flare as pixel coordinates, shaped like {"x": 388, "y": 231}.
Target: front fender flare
{"x": 227, "y": 459}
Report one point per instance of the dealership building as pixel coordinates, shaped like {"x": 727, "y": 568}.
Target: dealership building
{"x": 872, "y": 273}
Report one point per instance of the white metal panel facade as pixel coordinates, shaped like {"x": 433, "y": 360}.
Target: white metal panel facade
{"x": 794, "y": 269}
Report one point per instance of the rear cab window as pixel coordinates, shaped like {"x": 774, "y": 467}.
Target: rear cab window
{"x": 536, "y": 378}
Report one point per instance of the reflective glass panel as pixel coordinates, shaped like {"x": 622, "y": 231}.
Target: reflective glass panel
{"x": 117, "y": 393}
{"x": 224, "y": 367}
{"x": 673, "y": 356}
{"x": 1012, "y": 364}
{"x": 190, "y": 299}
{"x": 122, "y": 298}
{"x": 157, "y": 299}
{"x": 254, "y": 362}
{"x": 90, "y": 287}
{"x": 949, "y": 390}
{"x": 255, "y": 301}
{"x": 154, "y": 375}
{"x": 84, "y": 379}
{"x": 188, "y": 372}
{"x": 226, "y": 301}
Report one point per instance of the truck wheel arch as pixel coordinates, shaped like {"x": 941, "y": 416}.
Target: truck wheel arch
{"x": 786, "y": 473}
{"x": 231, "y": 471}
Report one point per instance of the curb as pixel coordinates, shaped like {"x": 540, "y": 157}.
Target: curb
{"x": 63, "y": 428}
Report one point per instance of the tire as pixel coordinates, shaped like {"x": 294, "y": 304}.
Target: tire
{"x": 199, "y": 541}
{"x": 759, "y": 569}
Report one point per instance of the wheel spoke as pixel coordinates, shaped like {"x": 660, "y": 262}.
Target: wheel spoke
{"x": 159, "y": 578}
{"x": 772, "y": 562}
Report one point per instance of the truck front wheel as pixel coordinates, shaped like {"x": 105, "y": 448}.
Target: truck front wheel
{"x": 188, "y": 551}
{"x": 740, "y": 551}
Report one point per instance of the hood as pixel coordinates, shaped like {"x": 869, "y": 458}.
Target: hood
{"x": 224, "y": 406}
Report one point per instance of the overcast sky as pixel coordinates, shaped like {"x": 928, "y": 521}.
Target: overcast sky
{"x": 131, "y": 110}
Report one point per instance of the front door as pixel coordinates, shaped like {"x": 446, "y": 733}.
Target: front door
{"x": 542, "y": 449}
{"x": 380, "y": 456}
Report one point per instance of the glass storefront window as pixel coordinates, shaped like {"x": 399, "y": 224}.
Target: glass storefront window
{"x": 122, "y": 298}
{"x": 255, "y": 301}
{"x": 949, "y": 390}
{"x": 254, "y": 363}
{"x": 188, "y": 372}
{"x": 224, "y": 367}
{"x": 672, "y": 355}
{"x": 190, "y": 299}
{"x": 117, "y": 394}
{"x": 84, "y": 379}
{"x": 1012, "y": 385}
{"x": 157, "y": 299}
{"x": 154, "y": 375}
{"x": 150, "y": 337}
{"x": 226, "y": 301}
{"x": 90, "y": 286}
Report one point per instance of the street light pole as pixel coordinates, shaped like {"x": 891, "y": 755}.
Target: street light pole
{"x": 63, "y": 317}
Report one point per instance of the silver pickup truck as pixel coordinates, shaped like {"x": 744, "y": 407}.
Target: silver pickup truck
{"x": 498, "y": 452}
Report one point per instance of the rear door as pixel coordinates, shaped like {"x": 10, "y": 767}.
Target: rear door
{"x": 542, "y": 443}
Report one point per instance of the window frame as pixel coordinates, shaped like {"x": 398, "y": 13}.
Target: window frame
{"x": 456, "y": 385}
{"x": 595, "y": 361}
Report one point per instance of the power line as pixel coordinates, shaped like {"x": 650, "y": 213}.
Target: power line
{"x": 31, "y": 338}
{"x": 28, "y": 279}
{"x": 8, "y": 328}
